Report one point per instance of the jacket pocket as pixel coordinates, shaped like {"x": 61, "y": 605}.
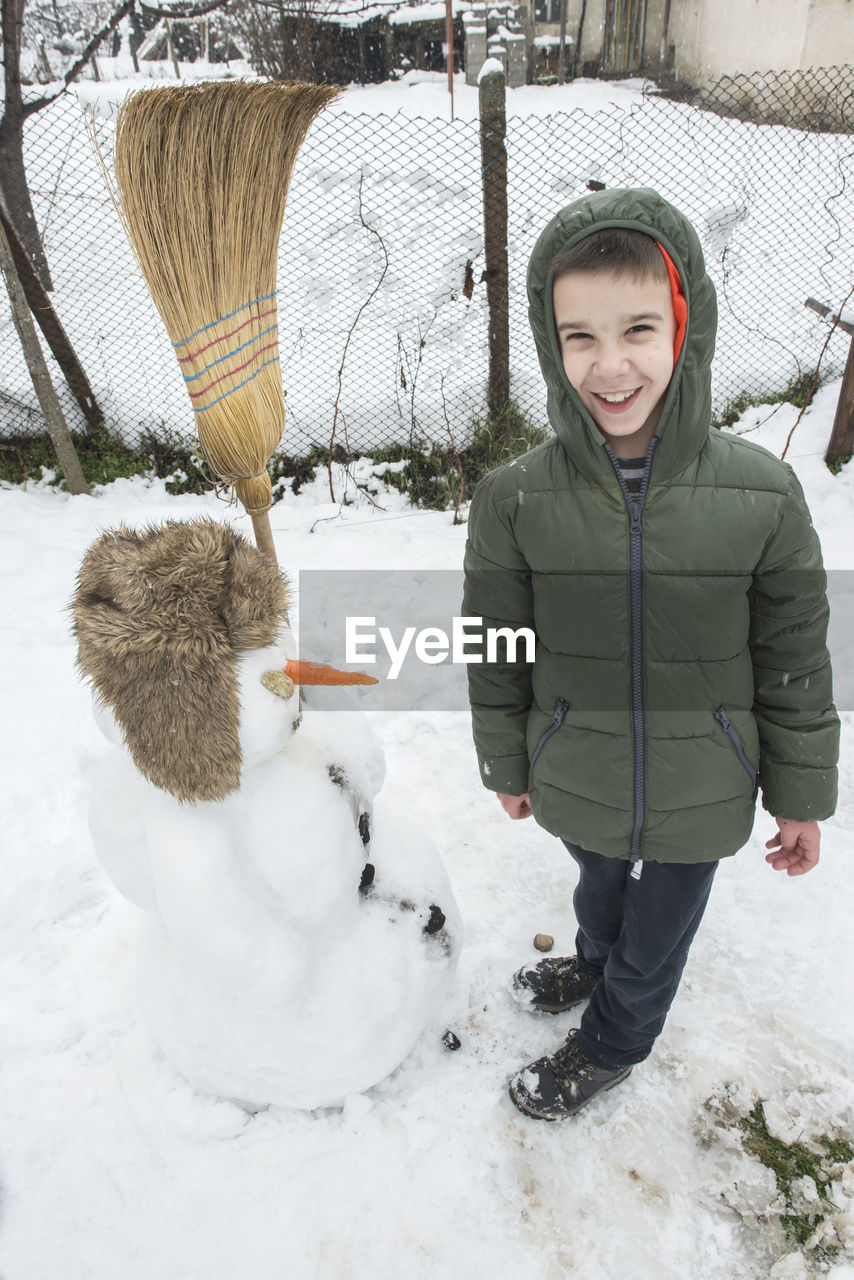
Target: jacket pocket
{"x": 735, "y": 738}
{"x": 561, "y": 708}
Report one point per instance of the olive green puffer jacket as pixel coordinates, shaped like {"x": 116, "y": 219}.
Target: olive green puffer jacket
{"x": 681, "y": 659}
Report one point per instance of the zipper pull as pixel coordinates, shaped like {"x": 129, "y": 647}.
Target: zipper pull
{"x": 635, "y": 516}
{"x": 560, "y": 712}
{"x": 723, "y": 719}
{"x": 637, "y": 869}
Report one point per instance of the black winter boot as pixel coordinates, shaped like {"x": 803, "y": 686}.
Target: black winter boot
{"x": 553, "y": 985}
{"x": 557, "y": 1087}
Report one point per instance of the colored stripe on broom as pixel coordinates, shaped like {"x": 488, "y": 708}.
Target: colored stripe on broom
{"x": 205, "y": 327}
{"x": 204, "y": 408}
{"x": 225, "y": 336}
{"x": 194, "y": 395}
{"x": 229, "y": 355}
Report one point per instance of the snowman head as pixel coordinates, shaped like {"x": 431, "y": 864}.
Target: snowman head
{"x": 269, "y": 700}
{"x": 176, "y": 624}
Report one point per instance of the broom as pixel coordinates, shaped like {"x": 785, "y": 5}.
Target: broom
{"x": 202, "y": 174}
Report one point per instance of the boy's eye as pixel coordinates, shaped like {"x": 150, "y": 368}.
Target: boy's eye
{"x": 641, "y": 328}
{"x": 570, "y": 337}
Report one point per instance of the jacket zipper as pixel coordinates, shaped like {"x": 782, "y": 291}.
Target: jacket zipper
{"x": 635, "y": 504}
{"x": 561, "y": 708}
{"x": 734, "y": 736}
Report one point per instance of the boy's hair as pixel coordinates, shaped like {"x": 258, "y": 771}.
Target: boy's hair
{"x": 621, "y": 252}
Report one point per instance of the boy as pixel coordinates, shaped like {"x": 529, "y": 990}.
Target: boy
{"x": 674, "y": 582}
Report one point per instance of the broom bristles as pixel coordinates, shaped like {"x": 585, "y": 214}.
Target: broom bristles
{"x": 202, "y": 173}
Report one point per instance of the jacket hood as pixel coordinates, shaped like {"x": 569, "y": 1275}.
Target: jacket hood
{"x": 686, "y": 416}
{"x": 161, "y": 617}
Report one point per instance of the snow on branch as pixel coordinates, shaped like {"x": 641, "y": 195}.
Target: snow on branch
{"x": 30, "y": 108}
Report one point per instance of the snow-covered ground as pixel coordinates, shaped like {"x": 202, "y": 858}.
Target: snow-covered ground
{"x": 113, "y": 1168}
{"x": 417, "y": 93}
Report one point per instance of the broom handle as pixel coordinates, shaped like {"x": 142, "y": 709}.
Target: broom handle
{"x": 264, "y": 535}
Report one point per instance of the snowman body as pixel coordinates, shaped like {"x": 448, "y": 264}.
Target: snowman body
{"x": 298, "y": 934}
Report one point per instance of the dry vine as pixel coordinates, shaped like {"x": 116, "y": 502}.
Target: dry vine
{"x": 456, "y": 453}
{"x": 359, "y": 313}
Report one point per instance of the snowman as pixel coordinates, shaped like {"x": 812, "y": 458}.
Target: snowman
{"x": 297, "y": 932}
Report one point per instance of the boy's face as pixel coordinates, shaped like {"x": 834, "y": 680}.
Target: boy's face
{"x": 616, "y": 338}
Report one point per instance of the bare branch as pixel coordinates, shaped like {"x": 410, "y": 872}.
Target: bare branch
{"x": 455, "y": 451}
{"x": 315, "y": 9}
{"x": 364, "y": 305}
{"x": 30, "y": 108}
{"x": 195, "y": 11}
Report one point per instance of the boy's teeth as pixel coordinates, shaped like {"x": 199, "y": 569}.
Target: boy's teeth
{"x": 616, "y": 397}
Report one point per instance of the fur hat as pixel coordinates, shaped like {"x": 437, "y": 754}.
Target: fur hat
{"x": 160, "y": 618}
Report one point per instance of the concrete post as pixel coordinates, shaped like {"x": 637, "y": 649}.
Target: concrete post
{"x": 474, "y": 30}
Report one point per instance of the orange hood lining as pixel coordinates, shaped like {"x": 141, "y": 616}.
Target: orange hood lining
{"x": 680, "y": 306}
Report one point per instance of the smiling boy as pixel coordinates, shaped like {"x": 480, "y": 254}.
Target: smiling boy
{"x": 673, "y": 579}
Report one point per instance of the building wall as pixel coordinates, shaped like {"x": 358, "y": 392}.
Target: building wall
{"x": 593, "y": 34}
{"x": 591, "y": 40}
{"x": 829, "y": 40}
{"x": 714, "y": 38}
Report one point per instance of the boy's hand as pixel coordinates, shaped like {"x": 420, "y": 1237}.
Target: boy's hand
{"x": 515, "y": 806}
{"x": 794, "y": 849}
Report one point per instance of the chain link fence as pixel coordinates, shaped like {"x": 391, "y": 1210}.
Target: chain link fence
{"x": 383, "y": 312}
{"x": 820, "y": 99}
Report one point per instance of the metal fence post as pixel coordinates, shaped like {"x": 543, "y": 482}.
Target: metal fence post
{"x": 493, "y": 128}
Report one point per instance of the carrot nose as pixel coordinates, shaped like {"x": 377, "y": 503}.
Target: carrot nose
{"x": 318, "y": 673}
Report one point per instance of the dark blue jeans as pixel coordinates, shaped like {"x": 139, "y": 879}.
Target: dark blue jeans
{"x": 634, "y": 935}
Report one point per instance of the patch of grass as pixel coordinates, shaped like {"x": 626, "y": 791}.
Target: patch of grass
{"x": 835, "y": 467}
{"x": 289, "y": 471}
{"x": 432, "y": 477}
{"x": 103, "y": 458}
{"x": 441, "y": 478}
{"x": 799, "y": 392}
{"x": 790, "y": 1161}
{"x": 171, "y": 457}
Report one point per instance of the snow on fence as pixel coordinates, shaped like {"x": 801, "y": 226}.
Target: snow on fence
{"x": 774, "y": 207}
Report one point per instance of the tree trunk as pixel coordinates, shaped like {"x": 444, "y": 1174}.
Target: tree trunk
{"x": 51, "y": 326}
{"x": 13, "y": 177}
{"x": 50, "y": 406}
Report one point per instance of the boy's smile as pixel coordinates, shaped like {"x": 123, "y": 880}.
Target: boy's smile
{"x": 616, "y": 339}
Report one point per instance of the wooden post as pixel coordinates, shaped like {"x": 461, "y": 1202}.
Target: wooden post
{"x": 493, "y": 129}
{"x": 48, "y": 321}
{"x": 561, "y": 56}
{"x": 842, "y": 436}
{"x": 170, "y": 46}
{"x": 449, "y": 37}
{"x": 44, "y": 389}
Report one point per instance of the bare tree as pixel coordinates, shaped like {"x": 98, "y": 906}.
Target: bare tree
{"x": 16, "y": 111}
{"x": 291, "y": 39}
{"x": 16, "y": 210}
{"x": 276, "y": 35}
{"x": 13, "y": 177}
